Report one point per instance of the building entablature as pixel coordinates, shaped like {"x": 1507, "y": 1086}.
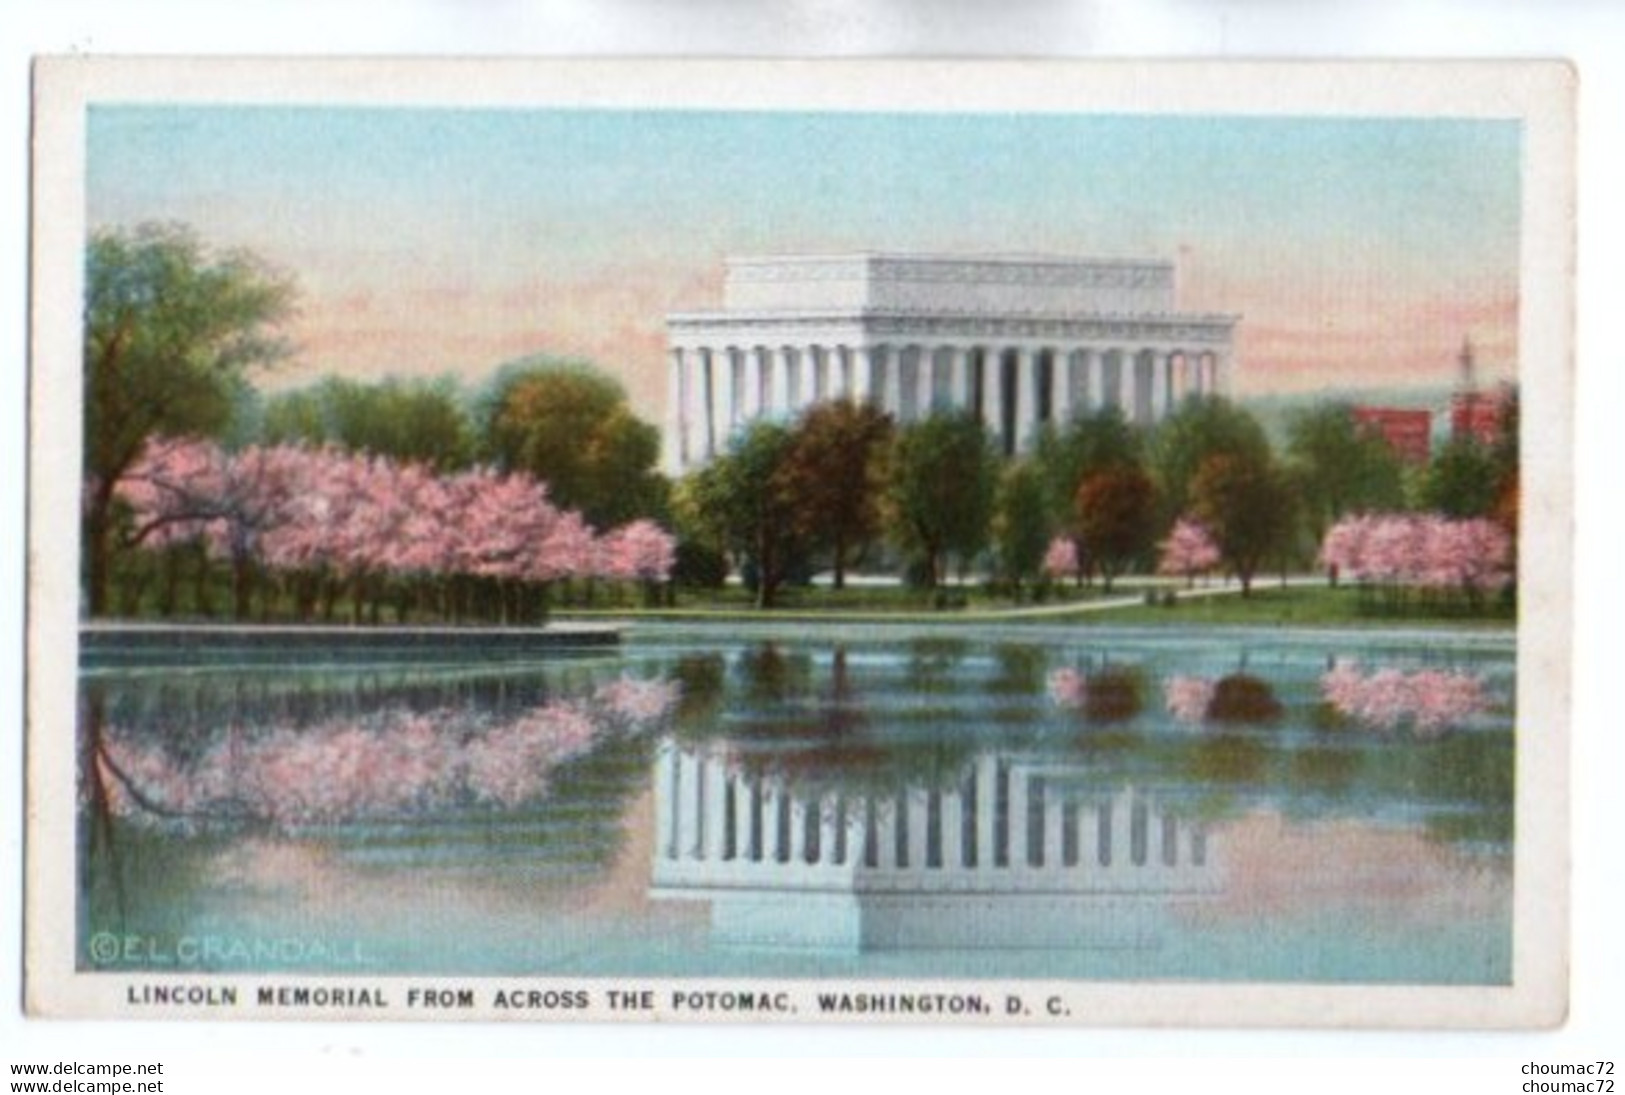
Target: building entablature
{"x": 692, "y": 330}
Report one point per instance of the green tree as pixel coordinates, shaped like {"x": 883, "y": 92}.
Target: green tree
{"x": 940, "y": 491}
{"x": 740, "y": 499}
{"x": 835, "y": 472}
{"x": 1463, "y": 480}
{"x": 1247, "y": 505}
{"x": 1116, "y": 517}
{"x": 1201, "y": 428}
{"x": 414, "y": 421}
{"x": 1091, "y": 442}
{"x": 569, "y": 425}
{"x": 1021, "y": 525}
{"x": 171, "y": 328}
{"x": 1339, "y": 468}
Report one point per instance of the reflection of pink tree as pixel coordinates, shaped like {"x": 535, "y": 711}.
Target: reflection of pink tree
{"x": 1188, "y": 698}
{"x": 1429, "y": 700}
{"x": 1188, "y": 551}
{"x": 390, "y": 765}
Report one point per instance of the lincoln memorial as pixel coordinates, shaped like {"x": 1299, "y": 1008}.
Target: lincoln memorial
{"x": 1018, "y": 341}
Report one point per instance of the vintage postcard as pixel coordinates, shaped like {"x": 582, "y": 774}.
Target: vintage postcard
{"x": 827, "y": 541}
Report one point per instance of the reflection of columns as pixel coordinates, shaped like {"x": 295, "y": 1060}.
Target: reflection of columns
{"x": 774, "y": 839}
{"x": 918, "y": 827}
{"x": 1054, "y": 818}
{"x": 1087, "y": 818}
{"x": 1018, "y": 819}
{"x": 711, "y": 806}
{"x": 666, "y": 801}
{"x": 885, "y": 834}
{"x": 829, "y": 829}
{"x": 798, "y": 830}
{"x": 688, "y": 806}
{"x": 987, "y": 779}
{"x": 952, "y": 815}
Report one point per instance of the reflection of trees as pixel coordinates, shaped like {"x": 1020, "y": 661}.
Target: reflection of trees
{"x": 933, "y": 662}
{"x": 818, "y": 734}
{"x": 1243, "y": 698}
{"x": 388, "y": 760}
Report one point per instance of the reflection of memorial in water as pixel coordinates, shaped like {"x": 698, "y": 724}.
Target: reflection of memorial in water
{"x": 1024, "y": 851}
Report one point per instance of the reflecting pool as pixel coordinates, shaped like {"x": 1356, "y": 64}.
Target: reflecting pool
{"x": 831, "y": 802}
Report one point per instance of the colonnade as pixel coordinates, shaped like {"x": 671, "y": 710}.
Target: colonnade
{"x": 1012, "y": 388}
{"x": 1007, "y": 825}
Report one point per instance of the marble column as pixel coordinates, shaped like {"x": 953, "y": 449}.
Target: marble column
{"x": 1159, "y": 384}
{"x": 959, "y": 378}
{"x": 889, "y": 376}
{"x": 675, "y": 457}
{"x": 993, "y": 395}
{"x": 1064, "y": 378}
{"x": 863, "y": 374}
{"x": 724, "y": 392}
{"x": 1093, "y": 365}
{"x": 1026, "y": 415}
{"x": 778, "y": 359}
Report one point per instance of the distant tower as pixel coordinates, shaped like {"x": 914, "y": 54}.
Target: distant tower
{"x": 1467, "y": 375}
{"x": 1474, "y": 414}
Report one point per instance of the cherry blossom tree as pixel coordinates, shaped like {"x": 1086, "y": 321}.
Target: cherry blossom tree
{"x": 1188, "y": 551}
{"x": 323, "y": 521}
{"x": 1061, "y": 559}
{"x": 1469, "y": 556}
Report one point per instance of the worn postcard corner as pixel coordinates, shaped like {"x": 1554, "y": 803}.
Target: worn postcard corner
{"x": 846, "y": 541}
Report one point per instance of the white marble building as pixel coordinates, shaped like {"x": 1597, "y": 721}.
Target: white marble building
{"x": 1020, "y": 340}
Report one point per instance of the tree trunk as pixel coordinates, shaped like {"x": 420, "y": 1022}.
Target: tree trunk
{"x": 97, "y": 533}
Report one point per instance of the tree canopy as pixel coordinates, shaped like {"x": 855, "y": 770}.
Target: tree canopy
{"x": 940, "y": 494}
{"x": 1339, "y": 468}
{"x": 741, "y": 498}
{"x": 1202, "y": 427}
{"x": 413, "y": 421}
{"x": 834, "y": 469}
{"x": 170, "y": 330}
{"x": 570, "y": 426}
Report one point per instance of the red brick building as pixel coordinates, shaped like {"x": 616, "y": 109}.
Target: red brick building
{"x": 1409, "y": 432}
{"x": 1478, "y": 415}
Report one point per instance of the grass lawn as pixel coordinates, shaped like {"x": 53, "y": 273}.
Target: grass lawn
{"x": 1270, "y": 605}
